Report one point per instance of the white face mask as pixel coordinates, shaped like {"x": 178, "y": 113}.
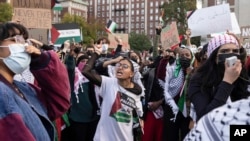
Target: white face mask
{"x": 105, "y": 48}
{"x": 18, "y": 60}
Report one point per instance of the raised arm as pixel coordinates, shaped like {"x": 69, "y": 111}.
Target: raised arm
{"x": 88, "y": 69}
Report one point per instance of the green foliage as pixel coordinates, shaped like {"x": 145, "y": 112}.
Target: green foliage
{"x": 6, "y": 12}
{"x": 89, "y": 29}
{"x": 176, "y": 10}
{"x": 139, "y": 42}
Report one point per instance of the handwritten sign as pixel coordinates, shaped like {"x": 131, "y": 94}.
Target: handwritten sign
{"x": 246, "y": 45}
{"x": 42, "y": 4}
{"x": 113, "y": 43}
{"x": 245, "y": 31}
{"x": 170, "y": 36}
{"x": 33, "y": 18}
{"x": 39, "y": 34}
{"x": 214, "y": 19}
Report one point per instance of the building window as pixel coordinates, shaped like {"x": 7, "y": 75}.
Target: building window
{"x": 151, "y": 4}
{"x": 142, "y": 18}
{"x": 132, "y": 19}
{"x": 137, "y": 19}
{"x": 151, "y": 11}
{"x": 142, "y": 25}
{"x": 137, "y": 5}
{"x": 156, "y": 4}
{"x": 151, "y": 31}
{"x": 137, "y": 12}
{"x": 133, "y": 6}
{"x": 142, "y": 5}
{"x": 142, "y": 11}
{"x": 137, "y": 25}
{"x": 151, "y": 18}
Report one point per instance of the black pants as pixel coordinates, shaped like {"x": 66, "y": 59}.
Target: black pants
{"x": 80, "y": 131}
{"x": 174, "y": 131}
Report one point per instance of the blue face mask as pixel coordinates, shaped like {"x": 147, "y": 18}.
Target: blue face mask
{"x": 18, "y": 60}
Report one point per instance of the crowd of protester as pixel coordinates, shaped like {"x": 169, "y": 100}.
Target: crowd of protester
{"x": 95, "y": 93}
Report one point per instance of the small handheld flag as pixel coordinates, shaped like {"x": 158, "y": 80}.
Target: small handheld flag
{"x": 111, "y": 25}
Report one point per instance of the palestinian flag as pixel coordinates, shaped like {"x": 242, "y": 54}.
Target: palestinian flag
{"x": 117, "y": 113}
{"x": 111, "y": 25}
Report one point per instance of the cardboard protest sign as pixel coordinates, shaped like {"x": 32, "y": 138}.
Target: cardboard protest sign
{"x": 33, "y": 18}
{"x": 170, "y": 36}
{"x": 214, "y": 19}
{"x": 32, "y": 13}
{"x": 41, "y": 4}
{"x": 113, "y": 43}
{"x": 39, "y": 34}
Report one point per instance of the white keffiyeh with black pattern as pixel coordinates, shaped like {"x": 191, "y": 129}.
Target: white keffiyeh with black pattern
{"x": 215, "y": 125}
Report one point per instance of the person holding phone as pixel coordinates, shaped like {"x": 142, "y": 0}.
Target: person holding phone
{"x": 215, "y": 83}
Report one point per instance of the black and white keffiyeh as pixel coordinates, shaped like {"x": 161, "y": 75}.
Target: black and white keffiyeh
{"x": 215, "y": 125}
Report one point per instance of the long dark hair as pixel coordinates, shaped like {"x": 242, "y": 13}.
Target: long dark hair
{"x": 212, "y": 74}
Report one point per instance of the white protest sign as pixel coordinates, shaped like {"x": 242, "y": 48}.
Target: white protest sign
{"x": 235, "y": 26}
{"x": 209, "y": 20}
{"x": 245, "y": 31}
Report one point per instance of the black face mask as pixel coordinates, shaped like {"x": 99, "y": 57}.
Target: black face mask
{"x": 185, "y": 62}
{"x": 171, "y": 60}
{"x": 89, "y": 53}
{"x": 222, "y": 57}
{"x": 134, "y": 59}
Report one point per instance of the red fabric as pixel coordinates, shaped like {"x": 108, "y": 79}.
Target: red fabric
{"x": 17, "y": 130}
{"x": 54, "y": 95}
{"x": 161, "y": 69}
{"x": 153, "y": 128}
{"x": 54, "y": 34}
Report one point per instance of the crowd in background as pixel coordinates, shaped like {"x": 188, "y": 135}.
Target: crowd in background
{"x": 95, "y": 93}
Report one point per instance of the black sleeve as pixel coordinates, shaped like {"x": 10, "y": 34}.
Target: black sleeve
{"x": 89, "y": 72}
{"x": 118, "y": 49}
{"x": 205, "y": 102}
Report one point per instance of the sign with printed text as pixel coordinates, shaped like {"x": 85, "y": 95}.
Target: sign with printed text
{"x": 124, "y": 38}
{"x": 214, "y": 19}
{"x": 170, "y": 36}
{"x": 33, "y": 18}
{"x": 245, "y": 31}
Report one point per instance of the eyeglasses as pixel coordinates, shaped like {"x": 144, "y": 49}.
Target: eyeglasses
{"x": 237, "y": 51}
{"x": 124, "y": 66}
{"x": 19, "y": 39}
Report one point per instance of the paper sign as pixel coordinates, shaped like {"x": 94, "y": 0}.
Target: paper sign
{"x": 246, "y": 45}
{"x": 170, "y": 36}
{"x": 214, "y": 19}
{"x": 245, "y": 31}
{"x": 235, "y": 26}
{"x": 33, "y": 18}
{"x": 113, "y": 43}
